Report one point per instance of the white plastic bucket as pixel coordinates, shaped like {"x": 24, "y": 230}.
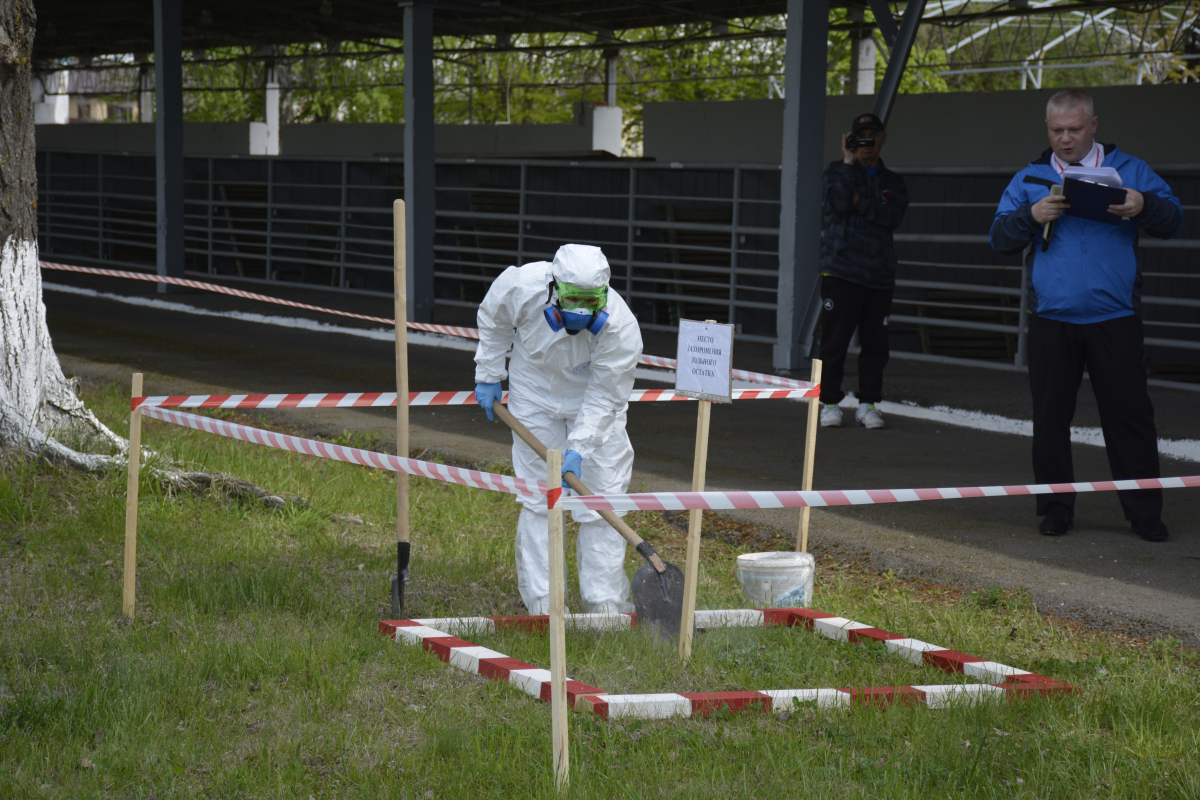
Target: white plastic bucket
{"x": 777, "y": 579}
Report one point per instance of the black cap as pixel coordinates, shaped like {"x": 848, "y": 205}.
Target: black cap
{"x": 866, "y": 121}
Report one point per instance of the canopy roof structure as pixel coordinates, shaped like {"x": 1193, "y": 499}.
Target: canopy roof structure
{"x": 105, "y": 42}
{"x": 84, "y": 28}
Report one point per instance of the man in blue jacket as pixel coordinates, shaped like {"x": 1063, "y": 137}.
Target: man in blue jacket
{"x": 1085, "y": 288}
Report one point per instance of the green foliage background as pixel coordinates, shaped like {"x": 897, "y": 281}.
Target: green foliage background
{"x": 477, "y": 84}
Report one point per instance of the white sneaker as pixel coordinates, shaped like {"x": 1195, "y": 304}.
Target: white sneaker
{"x": 831, "y": 416}
{"x": 868, "y": 417}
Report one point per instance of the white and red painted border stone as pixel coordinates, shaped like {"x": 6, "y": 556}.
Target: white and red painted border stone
{"x": 1001, "y": 681}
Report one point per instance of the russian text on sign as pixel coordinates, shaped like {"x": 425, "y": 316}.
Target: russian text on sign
{"x": 705, "y": 358}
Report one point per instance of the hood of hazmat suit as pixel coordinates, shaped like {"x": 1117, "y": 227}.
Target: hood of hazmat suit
{"x": 588, "y": 375}
{"x": 572, "y": 392}
{"x": 582, "y": 265}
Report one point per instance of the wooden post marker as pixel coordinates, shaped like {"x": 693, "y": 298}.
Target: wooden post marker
{"x": 691, "y": 577}
{"x": 558, "y": 621}
{"x": 400, "y": 278}
{"x": 131, "y": 502}
{"x": 704, "y": 371}
{"x": 810, "y": 454}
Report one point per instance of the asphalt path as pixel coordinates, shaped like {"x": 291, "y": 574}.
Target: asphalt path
{"x": 1101, "y": 574}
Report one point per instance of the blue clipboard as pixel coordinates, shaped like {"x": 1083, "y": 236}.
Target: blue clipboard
{"x": 1090, "y": 200}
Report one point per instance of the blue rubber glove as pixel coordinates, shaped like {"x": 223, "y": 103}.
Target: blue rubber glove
{"x": 572, "y": 462}
{"x": 486, "y": 394}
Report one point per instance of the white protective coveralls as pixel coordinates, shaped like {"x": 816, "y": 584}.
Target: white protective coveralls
{"x": 572, "y": 392}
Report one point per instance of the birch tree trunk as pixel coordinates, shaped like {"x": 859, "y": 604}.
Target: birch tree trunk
{"x": 37, "y": 403}
{"x": 36, "y": 399}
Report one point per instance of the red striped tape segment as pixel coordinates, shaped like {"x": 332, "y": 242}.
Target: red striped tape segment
{"x": 214, "y": 287}
{"x": 441, "y": 637}
{"x": 350, "y": 455}
{"x": 387, "y": 399}
{"x": 680, "y": 501}
{"x": 738, "y": 374}
{"x": 649, "y": 501}
{"x": 448, "y": 330}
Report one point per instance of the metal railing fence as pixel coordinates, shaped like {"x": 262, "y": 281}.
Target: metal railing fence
{"x": 684, "y": 241}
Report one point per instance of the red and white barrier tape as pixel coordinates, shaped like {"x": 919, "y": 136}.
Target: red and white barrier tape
{"x": 680, "y": 501}
{"x": 387, "y": 399}
{"x": 658, "y": 395}
{"x": 448, "y": 330}
{"x": 211, "y": 287}
{"x": 738, "y": 374}
{"x": 315, "y": 400}
{"x": 441, "y": 637}
{"x": 351, "y": 455}
{"x": 650, "y": 501}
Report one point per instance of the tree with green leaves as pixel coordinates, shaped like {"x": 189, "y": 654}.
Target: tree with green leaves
{"x": 536, "y": 81}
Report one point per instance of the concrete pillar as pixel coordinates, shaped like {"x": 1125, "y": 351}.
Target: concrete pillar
{"x": 862, "y": 57}
{"x": 800, "y": 191}
{"x": 865, "y": 58}
{"x": 271, "y": 111}
{"x": 52, "y": 104}
{"x": 418, "y": 157}
{"x": 145, "y": 94}
{"x": 168, "y": 138}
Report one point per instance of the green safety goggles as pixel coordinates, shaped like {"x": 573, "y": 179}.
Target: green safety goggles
{"x": 571, "y": 297}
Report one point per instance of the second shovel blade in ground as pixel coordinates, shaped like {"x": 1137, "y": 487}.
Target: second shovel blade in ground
{"x": 660, "y": 614}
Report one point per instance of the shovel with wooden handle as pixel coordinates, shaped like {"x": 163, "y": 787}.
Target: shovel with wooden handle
{"x": 659, "y": 603}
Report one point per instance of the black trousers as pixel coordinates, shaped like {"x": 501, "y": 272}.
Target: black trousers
{"x": 846, "y": 306}
{"x": 1112, "y": 354}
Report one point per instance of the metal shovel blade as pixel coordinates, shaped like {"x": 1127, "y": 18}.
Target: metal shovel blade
{"x": 659, "y": 600}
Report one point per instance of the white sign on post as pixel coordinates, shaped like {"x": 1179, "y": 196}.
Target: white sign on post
{"x": 705, "y": 361}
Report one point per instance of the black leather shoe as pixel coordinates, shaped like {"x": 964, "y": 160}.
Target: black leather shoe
{"x": 1152, "y": 530}
{"x": 1057, "y": 522}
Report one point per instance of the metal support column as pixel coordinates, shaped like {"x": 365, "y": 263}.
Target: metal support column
{"x": 631, "y": 230}
{"x": 1022, "y": 356}
{"x": 885, "y": 21}
{"x": 898, "y": 59}
{"x": 168, "y": 138}
{"x": 522, "y": 209}
{"x": 208, "y": 206}
{"x": 734, "y": 244}
{"x": 343, "y": 225}
{"x": 100, "y": 206}
{"x": 800, "y": 189}
{"x": 610, "y": 76}
{"x": 418, "y": 157}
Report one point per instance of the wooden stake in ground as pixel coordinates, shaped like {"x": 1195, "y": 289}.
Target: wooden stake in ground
{"x": 704, "y": 370}
{"x": 558, "y": 621}
{"x": 810, "y": 453}
{"x": 400, "y": 277}
{"x": 687, "y": 622}
{"x": 131, "y": 501}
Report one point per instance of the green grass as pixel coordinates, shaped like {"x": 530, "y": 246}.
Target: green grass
{"x": 253, "y": 668}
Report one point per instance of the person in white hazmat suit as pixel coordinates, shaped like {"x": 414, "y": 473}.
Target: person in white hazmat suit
{"x": 575, "y": 346}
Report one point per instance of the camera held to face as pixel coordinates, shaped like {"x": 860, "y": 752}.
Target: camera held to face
{"x": 853, "y": 144}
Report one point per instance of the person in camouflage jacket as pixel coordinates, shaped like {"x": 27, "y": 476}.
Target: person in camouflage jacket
{"x": 864, "y": 202}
